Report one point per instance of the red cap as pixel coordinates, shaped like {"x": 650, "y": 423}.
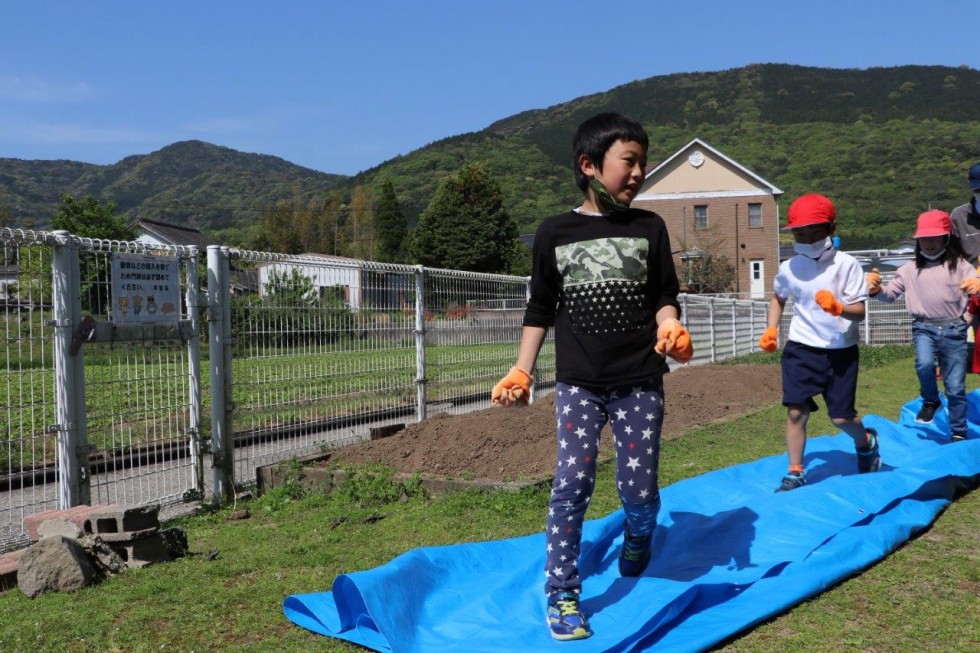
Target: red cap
{"x": 810, "y": 209}
{"x": 933, "y": 223}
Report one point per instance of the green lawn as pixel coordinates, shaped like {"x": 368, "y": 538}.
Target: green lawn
{"x": 923, "y": 597}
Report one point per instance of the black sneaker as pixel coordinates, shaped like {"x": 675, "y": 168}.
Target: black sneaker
{"x": 868, "y": 458}
{"x": 791, "y": 481}
{"x": 958, "y": 437}
{"x": 927, "y": 411}
{"x": 635, "y": 554}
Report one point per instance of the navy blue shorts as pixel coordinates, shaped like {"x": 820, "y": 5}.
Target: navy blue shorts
{"x": 810, "y": 371}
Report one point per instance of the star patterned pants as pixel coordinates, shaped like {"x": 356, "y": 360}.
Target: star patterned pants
{"x": 636, "y": 416}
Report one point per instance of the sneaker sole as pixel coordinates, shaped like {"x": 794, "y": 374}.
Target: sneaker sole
{"x": 578, "y": 633}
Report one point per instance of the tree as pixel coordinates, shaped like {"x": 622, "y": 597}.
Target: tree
{"x": 703, "y": 269}
{"x": 465, "y": 226}
{"x": 360, "y": 226}
{"x": 298, "y": 226}
{"x": 90, "y": 219}
{"x": 390, "y": 224}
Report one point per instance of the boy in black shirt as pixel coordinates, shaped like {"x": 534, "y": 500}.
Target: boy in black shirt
{"x": 604, "y": 279}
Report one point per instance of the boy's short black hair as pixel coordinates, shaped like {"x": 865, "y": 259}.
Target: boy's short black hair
{"x": 597, "y": 134}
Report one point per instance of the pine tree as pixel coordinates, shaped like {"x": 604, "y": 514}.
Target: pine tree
{"x": 465, "y": 226}
{"x": 390, "y": 224}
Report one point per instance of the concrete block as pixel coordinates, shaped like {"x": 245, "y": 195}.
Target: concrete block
{"x": 111, "y": 520}
{"x": 144, "y": 551}
{"x": 78, "y": 515}
{"x": 9, "y": 562}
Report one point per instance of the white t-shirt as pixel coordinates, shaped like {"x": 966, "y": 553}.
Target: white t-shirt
{"x": 801, "y": 277}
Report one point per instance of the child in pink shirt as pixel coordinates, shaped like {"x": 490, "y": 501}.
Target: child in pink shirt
{"x": 934, "y": 298}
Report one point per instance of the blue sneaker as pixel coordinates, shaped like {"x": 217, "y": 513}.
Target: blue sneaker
{"x": 635, "y": 554}
{"x": 791, "y": 481}
{"x": 565, "y": 618}
{"x": 868, "y": 458}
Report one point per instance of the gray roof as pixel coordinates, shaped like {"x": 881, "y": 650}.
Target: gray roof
{"x": 174, "y": 234}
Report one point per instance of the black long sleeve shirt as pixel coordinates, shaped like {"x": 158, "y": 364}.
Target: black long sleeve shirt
{"x": 599, "y": 280}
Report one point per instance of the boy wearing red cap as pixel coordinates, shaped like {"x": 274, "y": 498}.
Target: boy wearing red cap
{"x": 828, "y": 289}
{"x": 603, "y": 277}
{"x": 931, "y": 285}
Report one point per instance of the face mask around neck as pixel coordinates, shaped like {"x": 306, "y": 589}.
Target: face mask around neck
{"x": 813, "y": 250}
{"x": 604, "y": 199}
{"x": 934, "y": 257}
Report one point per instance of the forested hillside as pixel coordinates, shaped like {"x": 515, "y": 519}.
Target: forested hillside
{"x": 884, "y": 143}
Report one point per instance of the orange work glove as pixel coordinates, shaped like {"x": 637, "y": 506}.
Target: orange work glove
{"x": 769, "y": 340}
{"x": 512, "y": 390}
{"x": 828, "y": 302}
{"x": 873, "y": 279}
{"x": 971, "y": 286}
{"x": 674, "y": 340}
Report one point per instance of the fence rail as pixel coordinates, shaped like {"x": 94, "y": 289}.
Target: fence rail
{"x": 177, "y": 390}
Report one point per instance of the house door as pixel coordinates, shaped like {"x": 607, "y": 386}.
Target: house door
{"x": 757, "y": 287}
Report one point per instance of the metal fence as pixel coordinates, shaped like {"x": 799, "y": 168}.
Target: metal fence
{"x": 173, "y": 394}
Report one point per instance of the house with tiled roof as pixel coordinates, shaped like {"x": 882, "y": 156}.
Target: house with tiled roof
{"x": 154, "y": 232}
{"x": 712, "y": 202}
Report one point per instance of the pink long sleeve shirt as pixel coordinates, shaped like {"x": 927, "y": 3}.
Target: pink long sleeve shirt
{"x": 931, "y": 292}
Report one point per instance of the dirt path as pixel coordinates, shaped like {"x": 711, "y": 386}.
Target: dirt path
{"x": 519, "y": 444}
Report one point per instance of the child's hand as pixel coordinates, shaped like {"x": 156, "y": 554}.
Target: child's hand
{"x": 828, "y": 302}
{"x": 971, "y": 286}
{"x": 873, "y": 279}
{"x": 512, "y": 390}
{"x": 674, "y": 340}
{"x": 769, "y": 340}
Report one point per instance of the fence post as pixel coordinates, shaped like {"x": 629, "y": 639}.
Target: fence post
{"x": 193, "y": 299}
{"x": 420, "y": 379}
{"x": 711, "y": 323}
{"x": 734, "y": 328}
{"x": 74, "y": 487}
{"x": 221, "y": 455}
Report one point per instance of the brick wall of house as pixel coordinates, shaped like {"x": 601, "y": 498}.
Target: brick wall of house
{"x": 722, "y": 235}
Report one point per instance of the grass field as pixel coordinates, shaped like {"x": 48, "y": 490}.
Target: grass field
{"x": 923, "y": 597}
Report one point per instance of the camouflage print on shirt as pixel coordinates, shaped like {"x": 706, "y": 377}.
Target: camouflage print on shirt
{"x": 604, "y": 284}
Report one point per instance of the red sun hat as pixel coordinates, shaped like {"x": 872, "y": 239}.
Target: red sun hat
{"x": 933, "y": 223}
{"x": 810, "y": 209}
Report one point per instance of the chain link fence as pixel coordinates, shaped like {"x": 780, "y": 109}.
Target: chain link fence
{"x": 140, "y": 374}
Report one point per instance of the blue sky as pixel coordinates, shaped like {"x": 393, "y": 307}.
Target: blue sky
{"x": 342, "y": 86}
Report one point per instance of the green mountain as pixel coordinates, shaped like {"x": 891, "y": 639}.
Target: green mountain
{"x": 188, "y": 183}
{"x": 883, "y": 143}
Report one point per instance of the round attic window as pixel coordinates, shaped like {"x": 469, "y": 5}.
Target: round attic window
{"x": 696, "y": 158}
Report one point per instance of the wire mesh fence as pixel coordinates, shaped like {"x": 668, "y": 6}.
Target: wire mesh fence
{"x": 303, "y": 354}
{"x": 27, "y": 444}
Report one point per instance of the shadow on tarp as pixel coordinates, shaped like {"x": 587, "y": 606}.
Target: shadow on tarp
{"x": 728, "y": 554}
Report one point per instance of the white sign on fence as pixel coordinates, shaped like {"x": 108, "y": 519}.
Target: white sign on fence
{"x": 145, "y": 288}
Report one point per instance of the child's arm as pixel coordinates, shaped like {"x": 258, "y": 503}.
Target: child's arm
{"x": 515, "y": 388}
{"x": 769, "y": 340}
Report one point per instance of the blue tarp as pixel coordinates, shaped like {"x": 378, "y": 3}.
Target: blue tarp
{"x": 728, "y": 553}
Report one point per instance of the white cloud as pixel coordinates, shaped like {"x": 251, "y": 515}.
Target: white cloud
{"x": 20, "y": 89}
